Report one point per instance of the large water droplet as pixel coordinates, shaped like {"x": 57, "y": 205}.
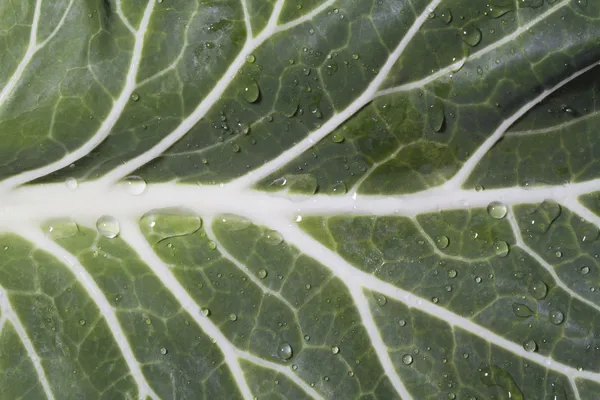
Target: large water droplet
{"x": 262, "y": 273}
{"x": 556, "y": 317}
{"x": 442, "y": 241}
{"x": 236, "y": 223}
{"x": 135, "y": 185}
{"x": 170, "y": 222}
{"x": 272, "y": 238}
{"x": 530, "y": 346}
{"x": 501, "y": 248}
{"x": 538, "y": 290}
{"x": 303, "y": 183}
{"x": 558, "y": 392}
{"x": 540, "y": 219}
{"x": 497, "y": 210}
{"x": 446, "y": 16}
{"x": 250, "y": 91}
{"x": 436, "y": 115}
{"x": 496, "y": 376}
{"x": 108, "y": 226}
{"x": 521, "y": 310}
{"x": 60, "y": 228}
{"x": 471, "y": 35}
{"x": 407, "y": 359}
{"x": 331, "y": 67}
{"x": 284, "y": 351}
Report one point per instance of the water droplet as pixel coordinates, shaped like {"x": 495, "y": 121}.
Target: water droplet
{"x": 339, "y": 188}
{"x": 435, "y": 300}
{"x": 337, "y": 138}
{"x": 446, "y": 16}
{"x": 251, "y": 92}
{"x": 71, "y": 183}
{"x": 478, "y": 279}
{"x": 402, "y": 322}
{"x": 331, "y": 67}
{"x": 284, "y": 351}
{"x": 147, "y": 321}
{"x": 236, "y": 223}
{"x": 442, "y": 241}
{"x": 471, "y": 35}
{"x": 60, "y": 228}
{"x": 530, "y": 346}
{"x": 273, "y": 238}
{"x": 436, "y": 115}
{"x": 108, "y": 226}
{"x": 407, "y": 359}
{"x": 135, "y": 96}
{"x": 496, "y": 376}
{"x": 170, "y": 222}
{"x": 82, "y": 322}
{"x": 498, "y": 11}
{"x": 558, "y": 254}
{"x": 381, "y": 300}
{"x": 497, "y": 210}
{"x": 501, "y": 248}
{"x": 538, "y": 290}
{"x": 233, "y": 317}
{"x": 584, "y": 270}
{"x": 521, "y": 310}
{"x": 262, "y": 273}
{"x": 581, "y": 3}
{"x": 355, "y": 56}
{"x": 303, "y": 183}
{"x": 452, "y": 273}
{"x": 540, "y": 219}
{"x": 212, "y": 245}
{"x": 205, "y": 312}
{"x": 556, "y": 317}
{"x": 335, "y": 350}
{"x": 250, "y": 58}
{"x": 163, "y": 351}
{"x": 135, "y": 185}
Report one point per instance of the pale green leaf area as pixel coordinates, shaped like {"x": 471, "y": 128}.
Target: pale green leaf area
{"x": 299, "y": 199}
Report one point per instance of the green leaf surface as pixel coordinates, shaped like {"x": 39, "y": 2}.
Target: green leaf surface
{"x": 316, "y": 199}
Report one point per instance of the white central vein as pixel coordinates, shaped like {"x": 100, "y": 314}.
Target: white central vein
{"x": 559, "y": 282}
{"x": 37, "y": 238}
{"x": 131, "y": 234}
{"x": 8, "y": 314}
{"x": 108, "y": 123}
{"x": 207, "y": 103}
{"x": 337, "y": 119}
{"x": 469, "y": 166}
{"x": 356, "y": 278}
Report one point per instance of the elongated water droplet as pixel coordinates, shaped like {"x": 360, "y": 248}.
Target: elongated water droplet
{"x": 558, "y": 392}
{"x": 108, "y": 226}
{"x": 251, "y": 92}
{"x": 501, "y": 248}
{"x": 262, "y": 273}
{"x": 60, "y": 228}
{"x": 530, "y": 346}
{"x": 442, "y": 241}
{"x": 135, "y": 185}
{"x": 521, "y": 310}
{"x": 273, "y": 238}
{"x": 540, "y": 219}
{"x": 495, "y": 11}
{"x": 556, "y": 317}
{"x": 496, "y": 376}
{"x": 538, "y": 290}
{"x": 170, "y": 222}
{"x": 436, "y": 115}
{"x": 497, "y": 210}
{"x": 236, "y": 223}
{"x": 71, "y": 183}
{"x": 471, "y": 35}
{"x": 407, "y": 359}
{"x": 285, "y": 351}
{"x": 335, "y": 350}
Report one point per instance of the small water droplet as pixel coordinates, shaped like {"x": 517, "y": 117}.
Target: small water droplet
{"x": 135, "y": 96}
{"x": 538, "y": 290}
{"x": 250, "y": 58}
{"x": 497, "y": 210}
{"x": 558, "y": 254}
{"x": 108, "y": 226}
{"x": 233, "y": 317}
{"x": 436, "y": 115}
{"x": 435, "y": 300}
{"x": 71, "y": 183}
{"x": 381, "y": 300}
{"x": 584, "y": 270}
{"x": 331, "y": 67}
{"x": 82, "y": 322}
{"x": 212, "y": 245}
{"x": 335, "y": 349}
{"x": 530, "y": 346}
{"x": 163, "y": 351}
{"x": 337, "y": 138}
{"x": 407, "y": 359}
{"x": 206, "y": 312}
{"x": 471, "y": 35}
{"x": 501, "y": 248}
{"x": 170, "y": 222}
{"x": 273, "y": 238}
{"x": 135, "y": 185}
{"x": 262, "y": 273}
{"x": 147, "y": 321}
{"x": 521, "y": 310}
{"x": 478, "y": 279}
{"x": 452, "y": 273}
{"x": 251, "y": 92}
{"x": 285, "y": 351}
{"x": 556, "y": 317}
{"x": 442, "y": 241}
{"x": 339, "y": 188}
